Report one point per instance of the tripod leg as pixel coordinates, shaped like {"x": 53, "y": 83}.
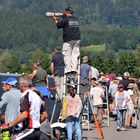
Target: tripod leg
{"x": 97, "y": 123}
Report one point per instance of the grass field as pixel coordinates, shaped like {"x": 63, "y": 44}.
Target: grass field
{"x": 92, "y": 48}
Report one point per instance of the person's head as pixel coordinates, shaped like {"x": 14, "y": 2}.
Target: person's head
{"x": 120, "y": 87}
{"x": 94, "y": 83}
{"x": 71, "y": 90}
{"x": 131, "y": 86}
{"x": 25, "y": 82}
{"x": 103, "y": 81}
{"x": 126, "y": 75}
{"x": 9, "y": 83}
{"x": 101, "y": 74}
{"x": 85, "y": 59}
{"x": 37, "y": 64}
{"x": 56, "y": 50}
{"x": 68, "y": 11}
{"x": 112, "y": 76}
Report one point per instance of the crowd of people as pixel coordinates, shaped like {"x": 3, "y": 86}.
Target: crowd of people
{"x": 22, "y": 110}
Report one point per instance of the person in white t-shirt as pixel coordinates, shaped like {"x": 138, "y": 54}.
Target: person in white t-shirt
{"x": 131, "y": 104}
{"x": 97, "y": 94}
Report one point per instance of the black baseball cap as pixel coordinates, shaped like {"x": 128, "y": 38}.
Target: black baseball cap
{"x": 69, "y": 9}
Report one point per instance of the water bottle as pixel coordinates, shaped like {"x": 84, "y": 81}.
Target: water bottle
{"x": 6, "y": 135}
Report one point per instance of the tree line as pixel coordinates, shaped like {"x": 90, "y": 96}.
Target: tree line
{"x": 107, "y": 61}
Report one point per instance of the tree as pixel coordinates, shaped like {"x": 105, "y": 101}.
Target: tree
{"x": 40, "y": 56}
{"x": 9, "y": 63}
{"x": 126, "y": 62}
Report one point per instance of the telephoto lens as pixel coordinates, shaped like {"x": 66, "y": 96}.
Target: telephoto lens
{"x": 51, "y": 14}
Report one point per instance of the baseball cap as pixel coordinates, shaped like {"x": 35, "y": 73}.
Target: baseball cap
{"x": 69, "y": 9}
{"x": 131, "y": 85}
{"x": 10, "y": 81}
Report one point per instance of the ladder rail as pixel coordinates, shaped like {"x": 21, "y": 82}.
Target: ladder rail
{"x": 75, "y": 84}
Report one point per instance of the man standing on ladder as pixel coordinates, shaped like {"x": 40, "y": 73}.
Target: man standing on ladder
{"x": 71, "y": 38}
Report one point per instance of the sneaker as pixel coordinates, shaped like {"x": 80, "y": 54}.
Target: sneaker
{"x": 118, "y": 128}
{"x": 123, "y": 129}
{"x": 85, "y": 122}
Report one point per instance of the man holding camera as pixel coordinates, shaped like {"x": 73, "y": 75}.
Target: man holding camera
{"x": 71, "y": 38}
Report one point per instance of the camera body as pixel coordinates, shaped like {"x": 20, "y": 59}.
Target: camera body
{"x": 51, "y": 14}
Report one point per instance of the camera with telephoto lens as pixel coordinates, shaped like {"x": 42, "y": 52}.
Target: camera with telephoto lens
{"x": 51, "y": 14}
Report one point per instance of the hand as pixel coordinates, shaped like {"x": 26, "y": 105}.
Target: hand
{"x": 55, "y": 19}
{"x": 5, "y": 126}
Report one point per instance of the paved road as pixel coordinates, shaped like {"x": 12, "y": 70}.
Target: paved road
{"x": 110, "y": 133}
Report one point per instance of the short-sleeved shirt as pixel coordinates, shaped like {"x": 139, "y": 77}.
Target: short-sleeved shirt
{"x": 31, "y": 103}
{"x": 130, "y": 93}
{"x": 58, "y": 62}
{"x": 121, "y": 100}
{"x": 70, "y": 27}
{"x": 84, "y": 71}
{"x": 10, "y": 100}
{"x": 97, "y": 93}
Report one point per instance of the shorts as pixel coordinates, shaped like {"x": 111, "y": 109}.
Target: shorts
{"x": 130, "y": 109}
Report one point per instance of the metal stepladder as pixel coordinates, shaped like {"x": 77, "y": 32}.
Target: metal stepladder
{"x": 106, "y": 117}
{"x": 71, "y": 76}
{"x": 106, "y": 109}
{"x": 73, "y": 79}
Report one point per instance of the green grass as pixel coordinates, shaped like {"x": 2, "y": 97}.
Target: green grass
{"x": 92, "y": 48}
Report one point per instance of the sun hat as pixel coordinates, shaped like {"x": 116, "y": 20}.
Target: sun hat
{"x": 130, "y": 85}
{"x": 95, "y": 83}
{"x": 126, "y": 74}
{"x": 10, "y": 81}
{"x": 103, "y": 80}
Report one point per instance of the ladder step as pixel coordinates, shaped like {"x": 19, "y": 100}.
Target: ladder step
{"x": 71, "y": 84}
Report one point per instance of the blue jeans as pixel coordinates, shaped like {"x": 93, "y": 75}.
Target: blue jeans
{"x": 121, "y": 115}
{"x": 73, "y": 123}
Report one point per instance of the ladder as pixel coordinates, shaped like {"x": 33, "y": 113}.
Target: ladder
{"x": 72, "y": 79}
{"x": 88, "y": 104}
{"x": 106, "y": 116}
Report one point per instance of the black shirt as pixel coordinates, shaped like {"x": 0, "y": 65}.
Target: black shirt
{"x": 70, "y": 27}
{"x": 58, "y": 62}
{"x": 125, "y": 83}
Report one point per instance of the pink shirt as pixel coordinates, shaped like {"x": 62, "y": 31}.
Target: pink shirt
{"x": 71, "y": 106}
